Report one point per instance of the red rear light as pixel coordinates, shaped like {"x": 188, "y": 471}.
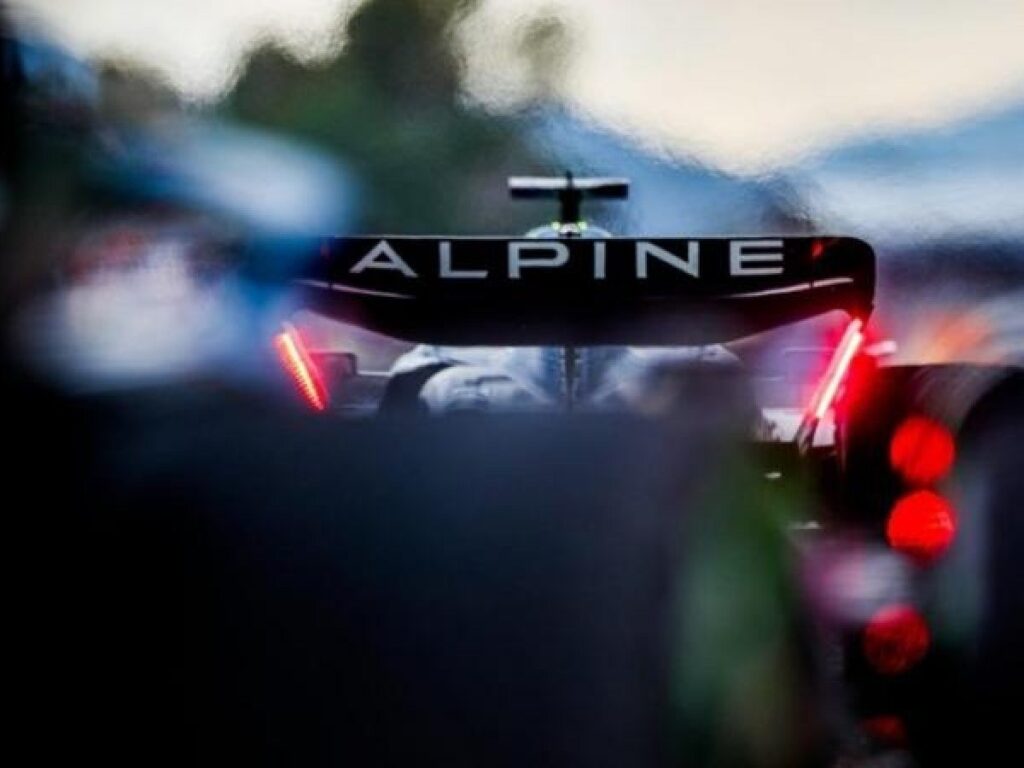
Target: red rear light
{"x": 299, "y": 366}
{"x": 895, "y": 639}
{"x": 922, "y": 450}
{"x": 839, "y": 367}
{"x": 922, "y": 524}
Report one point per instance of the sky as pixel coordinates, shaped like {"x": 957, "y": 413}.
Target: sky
{"x": 746, "y": 85}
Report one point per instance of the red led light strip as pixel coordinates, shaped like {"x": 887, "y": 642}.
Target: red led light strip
{"x": 853, "y": 339}
{"x": 299, "y": 366}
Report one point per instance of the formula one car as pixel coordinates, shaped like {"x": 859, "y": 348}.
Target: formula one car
{"x": 574, "y": 288}
{"x": 570, "y": 318}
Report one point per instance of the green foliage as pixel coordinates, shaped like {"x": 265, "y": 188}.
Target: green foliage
{"x": 390, "y": 107}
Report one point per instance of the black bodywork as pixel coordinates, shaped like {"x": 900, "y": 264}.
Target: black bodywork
{"x": 593, "y": 297}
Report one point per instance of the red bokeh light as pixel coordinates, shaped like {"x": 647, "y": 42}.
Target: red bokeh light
{"x": 886, "y": 729}
{"x": 921, "y": 524}
{"x": 922, "y": 450}
{"x": 895, "y": 639}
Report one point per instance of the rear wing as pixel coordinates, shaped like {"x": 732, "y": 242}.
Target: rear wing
{"x": 569, "y": 190}
{"x": 534, "y": 187}
{"x": 650, "y": 291}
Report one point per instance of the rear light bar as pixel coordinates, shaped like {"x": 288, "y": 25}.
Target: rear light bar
{"x": 852, "y": 340}
{"x": 299, "y": 365}
{"x": 836, "y": 373}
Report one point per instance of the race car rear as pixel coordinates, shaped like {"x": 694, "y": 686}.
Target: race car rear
{"x": 871, "y": 466}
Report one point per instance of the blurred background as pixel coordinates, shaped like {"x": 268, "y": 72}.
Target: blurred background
{"x": 898, "y": 122}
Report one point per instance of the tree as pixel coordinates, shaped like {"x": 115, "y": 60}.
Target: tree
{"x": 390, "y": 106}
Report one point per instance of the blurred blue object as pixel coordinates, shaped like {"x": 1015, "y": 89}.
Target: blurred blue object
{"x": 59, "y": 87}
{"x": 265, "y": 184}
{"x": 961, "y": 181}
{"x": 175, "y": 271}
{"x": 671, "y": 194}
